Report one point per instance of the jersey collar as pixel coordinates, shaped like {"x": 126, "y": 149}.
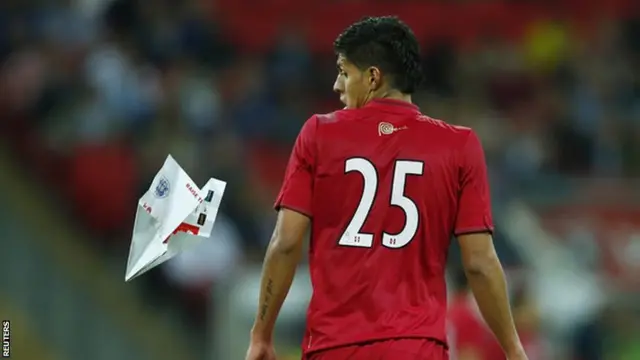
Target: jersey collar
{"x": 392, "y": 104}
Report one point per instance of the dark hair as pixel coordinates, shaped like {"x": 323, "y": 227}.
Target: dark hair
{"x": 387, "y": 43}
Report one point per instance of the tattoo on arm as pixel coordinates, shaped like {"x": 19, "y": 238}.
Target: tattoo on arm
{"x": 267, "y": 299}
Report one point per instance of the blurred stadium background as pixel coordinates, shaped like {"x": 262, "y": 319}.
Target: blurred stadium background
{"x": 96, "y": 93}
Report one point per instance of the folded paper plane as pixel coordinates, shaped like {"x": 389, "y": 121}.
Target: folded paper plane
{"x": 172, "y": 216}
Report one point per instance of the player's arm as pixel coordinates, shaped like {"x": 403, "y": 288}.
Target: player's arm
{"x": 486, "y": 279}
{"x": 468, "y": 354}
{"x": 474, "y": 226}
{"x": 285, "y": 248}
{"x": 280, "y": 262}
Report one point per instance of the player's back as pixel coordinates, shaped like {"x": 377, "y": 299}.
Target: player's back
{"x": 385, "y": 199}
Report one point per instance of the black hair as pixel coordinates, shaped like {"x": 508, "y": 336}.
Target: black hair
{"x": 387, "y": 43}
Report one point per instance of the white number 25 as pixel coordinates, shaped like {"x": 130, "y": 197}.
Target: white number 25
{"x": 353, "y": 235}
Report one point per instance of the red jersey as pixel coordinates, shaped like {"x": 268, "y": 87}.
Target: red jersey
{"x": 386, "y": 187}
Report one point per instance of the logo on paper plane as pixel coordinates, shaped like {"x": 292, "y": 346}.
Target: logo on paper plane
{"x": 163, "y": 188}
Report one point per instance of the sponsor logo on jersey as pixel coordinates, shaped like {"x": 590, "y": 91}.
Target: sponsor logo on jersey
{"x": 384, "y": 128}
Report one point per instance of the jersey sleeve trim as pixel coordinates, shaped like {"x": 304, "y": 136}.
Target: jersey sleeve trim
{"x": 474, "y": 230}
{"x": 279, "y": 207}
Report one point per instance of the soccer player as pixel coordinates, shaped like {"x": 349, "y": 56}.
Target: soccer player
{"x": 382, "y": 188}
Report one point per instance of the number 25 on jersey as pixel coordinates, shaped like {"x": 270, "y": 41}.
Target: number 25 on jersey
{"x": 353, "y": 235}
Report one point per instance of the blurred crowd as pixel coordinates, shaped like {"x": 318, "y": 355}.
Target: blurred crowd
{"x": 95, "y": 94}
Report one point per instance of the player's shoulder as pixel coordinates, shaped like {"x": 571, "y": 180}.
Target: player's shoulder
{"x": 317, "y": 121}
{"x": 334, "y": 116}
{"x": 443, "y": 130}
{"x": 444, "y": 126}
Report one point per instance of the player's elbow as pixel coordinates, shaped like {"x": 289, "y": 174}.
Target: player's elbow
{"x": 285, "y": 245}
{"x": 478, "y": 254}
{"x": 481, "y": 263}
{"x": 288, "y": 235}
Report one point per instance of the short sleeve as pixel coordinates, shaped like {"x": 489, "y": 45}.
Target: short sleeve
{"x": 474, "y": 201}
{"x": 297, "y": 188}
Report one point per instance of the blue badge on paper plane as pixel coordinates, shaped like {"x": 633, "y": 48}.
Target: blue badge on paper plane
{"x": 163, "y": 188}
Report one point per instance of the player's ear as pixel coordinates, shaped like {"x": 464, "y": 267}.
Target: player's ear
{"x": 374, "y": 78}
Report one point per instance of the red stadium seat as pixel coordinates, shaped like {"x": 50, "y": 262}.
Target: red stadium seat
{"x": 431, "y": 20}
{"x": 102, "y": 182}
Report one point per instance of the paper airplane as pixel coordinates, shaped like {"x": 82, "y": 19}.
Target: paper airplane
{"x": 172, "y": 216}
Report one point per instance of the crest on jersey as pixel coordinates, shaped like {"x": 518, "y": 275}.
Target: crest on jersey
{"x": 384, "y": 128}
